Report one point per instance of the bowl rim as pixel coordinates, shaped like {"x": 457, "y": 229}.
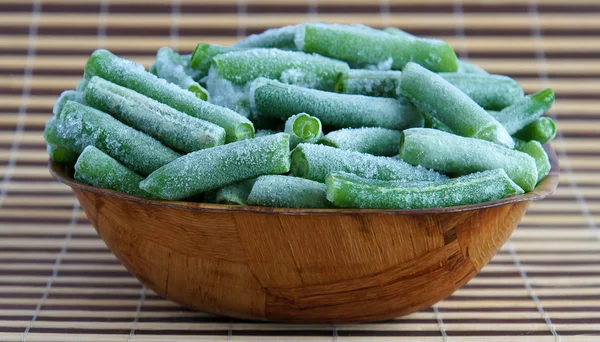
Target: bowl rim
{"x": 543, "y": 189}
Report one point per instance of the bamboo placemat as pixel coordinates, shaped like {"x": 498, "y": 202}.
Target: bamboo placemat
{"x": 58, "y": 281}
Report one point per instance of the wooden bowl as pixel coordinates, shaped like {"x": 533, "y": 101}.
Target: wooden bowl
{"x": 302, "y": 265}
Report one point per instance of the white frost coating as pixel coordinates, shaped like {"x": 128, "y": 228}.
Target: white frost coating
{"x": 226, "y": 94}
{"x": 282, "y": 37}
{"x": 67, "y": 95}
{"x": 299, "y": 37}
{"x": 383, "y": 65}
{"x": 317, "y": 161}
{"x": 288, "y": 192}
{"x": 373, "y": 140}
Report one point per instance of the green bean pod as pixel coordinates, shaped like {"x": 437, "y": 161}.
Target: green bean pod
{"x": 315, "y": 162}
{"x": 372, "y": 140}
{"x": 525, "y": 111}
{"x": 398, "y": 32}
{"x": 132, "y": 75}
{"x": 433, "y": 95}
{"x": 272, "y": 99}
{"x": 350, "y": 191}
{"x": 235, "y": 193}
{"x": 458, "y": 156}
{"x": 292, "y": 67}
{"x": 368, "y": 47}
{"x": 60, "y": 154}
{"x": 79, "y": 126}
{"x": 170, "y": 66}
{"x": 537, "y": 152}
{"x": 542, "y": 130}
{"x": 204, "y": 53}
{"x": 466, "y": 67}
{"x": 493, "y": 92}
{"x": 288, "y": 192}
{"x": 215, "y": 167}
{"x": 97, "y": 168}
{"x": 67, "y": 95}
{"x": 303, "y": 128}
{"x": 280, "y": 38}
{"x": 380, "y": 83}
{"x": 264, "y": 132}
{"x": 170, "y": 126}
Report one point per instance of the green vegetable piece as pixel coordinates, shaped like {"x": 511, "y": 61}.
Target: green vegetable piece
{"x": 280, "y": 38}
{"x": 398, "y": 32}
{"x": 315, "y": 162}
{"x": 79, "y": 126}
{"x": 433, "y": 95}
{"x": 81, "y": 84}
{"x": 152, "y": 69}
{"x": 60, "y": 154}
{"x": 236, "y": 193}
{"x": 372, "y": 140}
{"x": 288, "y": 192}
{"x": 381, "y": 83}
{"x": 272, "y": 99}
{"x": 132, "y": 75}
{"x": 350, "y": 191}
{"x": 218, "y": 166}
{"x": 170, "y": 126}
{"x": 431, "y": 122}
{"x": 303, "y": 128}
{"x": 293, "y": 67}
{"x": 466, "y": 67}
{"x": 97, "y": 168}
{"x": 493, "y": 92}
{"x": 525, "y": 111}
{"x": 204, "y": 53}
{"x": 369, "y": 47}
{"x": 458, "y": 156}
{"x": 542, "y": 130}
{"x": 169, "y": 66}
{"x": 67, "y": 95}
{"x": 537, "y": 152}
{"x": 264, "y": 132}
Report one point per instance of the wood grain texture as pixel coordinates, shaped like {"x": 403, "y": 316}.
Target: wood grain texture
{"x": 296, "y": 265}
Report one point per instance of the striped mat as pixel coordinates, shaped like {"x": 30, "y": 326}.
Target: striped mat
{"x": 58, "y": 281}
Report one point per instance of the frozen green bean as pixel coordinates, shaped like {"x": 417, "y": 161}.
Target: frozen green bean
{"x": 303, "y": 128}
{"x": 132, "y": 75}
{"x": 288, "y": 192}
{"x": 493, "y": 92}
{"x": 60, "y": 154}
{"x": 97, "y": 168}
{"x": 381, "y": 83}
{"x": 367, "y": 47}
{"x": 272, "y": 99}
{"x": 542, "y": 130}
{"x": 67, "y": 95}
{"x": 470, "y": 68}
{"x": 79, "y": 126}
{"x": 292, "y": 67}
{"x": 204, "y": 53}
{"x": 215, "y": 167}
{"x": 537, "y": 152}
{"x": 280, "y": 38}
{"x": 525, "y": 111}
{"x": 458, "y": 156}
{"x": 431, "y": 122}
{"x": 433, "y": 95}
{"x": 315, "y": 162}
{"x": 350, "y": 191}
{"x": 169, "y": 66}
{"x": 166, "y": 124}
{"x": 372, "y": 140}
{"x": 235, "y": 193}
{"x": 152, "y": 69}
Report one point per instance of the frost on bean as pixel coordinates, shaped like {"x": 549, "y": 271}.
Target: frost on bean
{"x": 273, "y": 99}
{"x": 373, "y": 140}
{"x": 315, "y": 162}
{"x": 288, "y": 192}
{"x": 281, "y": 38}
{"x": 303, "y": 128}
{"x": 170, "y": 66}
{"x": 351, "y": 191}
{"x": 215, "y": 167}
